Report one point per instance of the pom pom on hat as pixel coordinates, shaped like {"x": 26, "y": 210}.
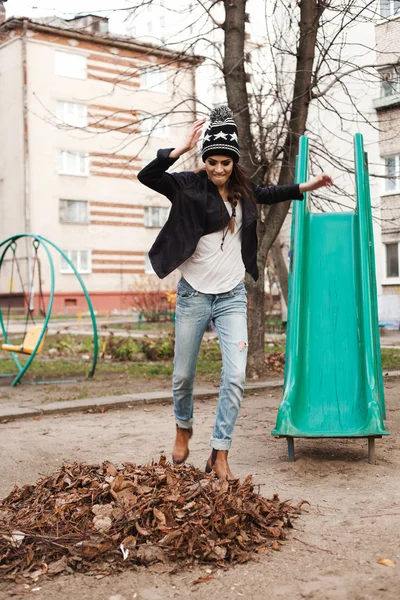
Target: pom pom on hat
{"x": 220, "y": 138}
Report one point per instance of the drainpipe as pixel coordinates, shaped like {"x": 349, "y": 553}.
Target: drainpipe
{"x": 26, "y": 176}
{"x": 27, "y": 208}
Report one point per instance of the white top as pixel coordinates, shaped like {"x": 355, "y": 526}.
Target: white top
{"x": 211, "y": 270}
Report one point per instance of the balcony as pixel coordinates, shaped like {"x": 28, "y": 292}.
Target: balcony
{"x": 385, "y": 102}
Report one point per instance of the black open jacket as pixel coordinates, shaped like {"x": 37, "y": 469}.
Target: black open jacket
{"x": 198, "y": 209}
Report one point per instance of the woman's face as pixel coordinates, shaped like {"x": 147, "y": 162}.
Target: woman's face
{"x": 219, "y": 169}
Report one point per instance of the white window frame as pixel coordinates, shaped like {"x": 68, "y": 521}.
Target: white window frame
{"x": 156, "y": 126}
{"x": 67, "y": 157}
{"x": 395, "y": 280}
{"x": 154, "y": 80}
{"x": 390, "y": 81}
{"x": 67, "y": 65}
{"x": 155, "y": 216}
{"x": 62, "y": 210}
{"x": 67, "y": 270}
{"x": 392, "y": 11}
{"x": 72, "y": 113}
{"x": 387, "y": 181}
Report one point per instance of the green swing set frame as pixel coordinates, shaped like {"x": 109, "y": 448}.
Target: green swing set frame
{"x": 34, "y": 338}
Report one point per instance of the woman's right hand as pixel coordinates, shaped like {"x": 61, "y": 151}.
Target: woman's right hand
{"x": 191, "y": 140}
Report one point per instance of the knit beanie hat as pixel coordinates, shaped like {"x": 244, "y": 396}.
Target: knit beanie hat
{"x": 221, "y": 136}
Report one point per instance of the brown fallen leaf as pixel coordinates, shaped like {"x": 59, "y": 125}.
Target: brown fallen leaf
{"x": 181, "y": 516}
{"x": 142, "y": 530}
{"x": 150, "y": 554}
{"x": 203, "y": 579}
{"x": 129, "y": 542}
{"x": 275, "y": 546}
{"x": 59, "y": 566}
{"x": 386, "y": 562}
{"x": 159, "y": 516}
{"x": 110, "y": 468}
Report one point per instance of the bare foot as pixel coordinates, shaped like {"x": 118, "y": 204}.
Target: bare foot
{"x": 218, "y": 462}
{"x": 181, "y": 446}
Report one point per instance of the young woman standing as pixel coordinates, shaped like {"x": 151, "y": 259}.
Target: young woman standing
{"x": 210, "y": 236}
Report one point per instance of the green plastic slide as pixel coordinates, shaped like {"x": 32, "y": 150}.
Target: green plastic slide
{"x": 333, "y": 383}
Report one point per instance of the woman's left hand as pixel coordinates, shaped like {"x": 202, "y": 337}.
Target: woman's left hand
{"x": 317, "y": 182}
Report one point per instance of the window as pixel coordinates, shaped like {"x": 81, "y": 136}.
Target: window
{"x": 155, "y": 216}
{"x": 389, "y": 8}
{"x": 392, "y": 260}
{"x": 148, "y": 268}
{"x": 70, "y": 302}
{"x": 74, "y": 211}
{"x": 156, "y": 126}
{"x": 392, "y": 174}
{"x": 73, "y": 163}
{"x": 155, "y": 80}
{"x": 81, "y": 260}
{"x": 390, "y": 81}
{"x": 71, "y": 65}
{"x": 103, "y": 26}
{"x": 72, "y": 113}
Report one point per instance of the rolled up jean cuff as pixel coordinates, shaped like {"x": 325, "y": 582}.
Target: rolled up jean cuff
{"x": 184, "y": 424}
{"x": 220, "y": 444}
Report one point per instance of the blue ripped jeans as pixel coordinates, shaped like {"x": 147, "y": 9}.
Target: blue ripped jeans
{"x": 228, "y": 312}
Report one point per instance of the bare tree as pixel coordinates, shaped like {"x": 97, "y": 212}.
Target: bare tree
{"x": 271, "y": 90}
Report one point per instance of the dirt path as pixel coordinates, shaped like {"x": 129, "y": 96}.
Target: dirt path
{"x": 112, "y": 384}
{"x": 352, "y": 522}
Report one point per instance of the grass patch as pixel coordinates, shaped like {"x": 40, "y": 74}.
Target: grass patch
{"x": 390, "y": 359}
{"x": 72, "y": 365}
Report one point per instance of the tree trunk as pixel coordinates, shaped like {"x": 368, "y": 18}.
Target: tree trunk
{"x": 310, "y": 14}
{"x": 236, "y": 92}
{"x": 280, "y": 268}
{"x": 235, "y": 75}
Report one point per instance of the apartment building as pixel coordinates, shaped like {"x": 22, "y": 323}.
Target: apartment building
{"x": 387, "y": 106}
{"x": 77, "y": 105}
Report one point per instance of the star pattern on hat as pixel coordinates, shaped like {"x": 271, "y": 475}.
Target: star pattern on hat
{"x": 221, "y": 134}
{"x": 234, "y": 136}
{"x": 207, "y": 137}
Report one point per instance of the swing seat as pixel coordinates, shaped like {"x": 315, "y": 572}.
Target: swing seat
{"x": 29, "y": 343}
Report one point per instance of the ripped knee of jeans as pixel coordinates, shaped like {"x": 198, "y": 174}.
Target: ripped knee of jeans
{"x": 242, "y": 345}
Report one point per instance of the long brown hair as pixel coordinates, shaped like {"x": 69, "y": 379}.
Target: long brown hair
{"x": 239, "y": 185}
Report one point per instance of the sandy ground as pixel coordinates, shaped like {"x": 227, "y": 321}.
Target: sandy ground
{"x": 353, "y": 519}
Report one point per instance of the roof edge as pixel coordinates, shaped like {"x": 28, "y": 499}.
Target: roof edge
{"x": 106, "y": 40}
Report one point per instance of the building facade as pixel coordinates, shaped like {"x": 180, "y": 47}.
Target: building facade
{"x": 81, "y": 112}
{"x": 387, "y": 106}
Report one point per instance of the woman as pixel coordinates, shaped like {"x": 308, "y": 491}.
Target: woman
{"x": 210, "y": 236}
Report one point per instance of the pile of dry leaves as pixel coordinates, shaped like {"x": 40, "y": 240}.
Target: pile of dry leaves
{"x": 103, "y": 518}
{"x": 275, "y": 361}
